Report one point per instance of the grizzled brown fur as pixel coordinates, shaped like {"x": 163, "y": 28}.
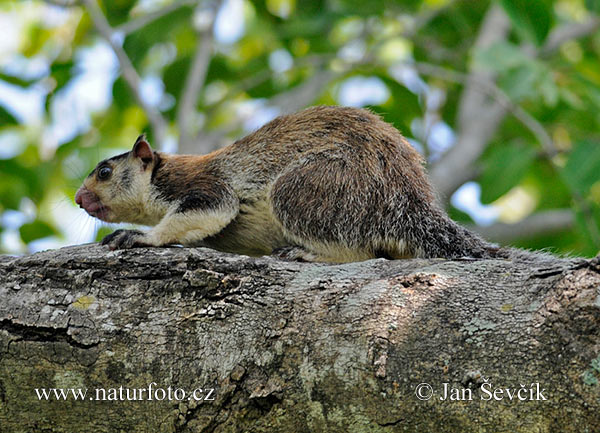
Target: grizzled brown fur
{"x": 325, "y": 184}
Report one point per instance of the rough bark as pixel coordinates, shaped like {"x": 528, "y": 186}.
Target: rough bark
{"x": 297, "y": 347}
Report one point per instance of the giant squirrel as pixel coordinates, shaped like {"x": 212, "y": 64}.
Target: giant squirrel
{"x": 332, "y": 184}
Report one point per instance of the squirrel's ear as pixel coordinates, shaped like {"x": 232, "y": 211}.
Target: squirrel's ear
{"x": 142, "y": 150}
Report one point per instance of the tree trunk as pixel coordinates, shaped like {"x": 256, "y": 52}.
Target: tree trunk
{"x": 296, "y": 347}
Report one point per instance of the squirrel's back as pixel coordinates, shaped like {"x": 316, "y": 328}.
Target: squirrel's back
{"x": 355, "y": 133}
{"x": 343, "y": 185}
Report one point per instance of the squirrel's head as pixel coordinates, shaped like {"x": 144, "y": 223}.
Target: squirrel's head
{"x": 117, "y": 189}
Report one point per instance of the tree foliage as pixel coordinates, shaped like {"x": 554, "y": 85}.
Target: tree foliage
{"x": 421, "y": 64}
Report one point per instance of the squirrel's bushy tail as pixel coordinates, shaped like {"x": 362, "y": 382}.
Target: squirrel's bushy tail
{"x": 439, "y": 236}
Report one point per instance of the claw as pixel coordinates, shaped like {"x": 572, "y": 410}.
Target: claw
{"x": 108, "y": 238}
{"x": 122, "y": 239}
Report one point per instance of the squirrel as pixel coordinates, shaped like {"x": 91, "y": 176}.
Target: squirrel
{"x": 331, "y": 184}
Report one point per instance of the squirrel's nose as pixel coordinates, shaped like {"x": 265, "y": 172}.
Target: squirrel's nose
{"x": 79, "y": 197}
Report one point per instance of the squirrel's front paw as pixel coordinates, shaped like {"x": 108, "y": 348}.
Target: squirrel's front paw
{"x": 122, "y": 239}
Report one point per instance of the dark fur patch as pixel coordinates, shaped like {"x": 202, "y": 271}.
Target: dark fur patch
{"x": 207, "y": 199}
{"x": 157, "y": 163}
{"x": 126, "y": 178}
{"x": 117, "y": 157}
{"x": 195, "y": 187}
{"x": 170, "y": 185}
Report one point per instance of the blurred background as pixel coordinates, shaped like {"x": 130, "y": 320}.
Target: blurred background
{"x": 502, "y": 98}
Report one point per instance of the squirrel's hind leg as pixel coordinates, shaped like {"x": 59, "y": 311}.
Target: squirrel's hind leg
{"x": 295, "y": 253}
{"x": 315, "y": 203}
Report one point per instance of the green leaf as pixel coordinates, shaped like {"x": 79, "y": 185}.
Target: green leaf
{"x": 587, "y": 216}
{"x": 13, "y": 183}
{"x": 36, "y": 230}
{"x": 501, "y": 57}
{"x": 520, "y": 83}
{"x": 12, "y": 189}
{"x": 122, "y": 95}
{"x": 530, "y": 81}
{"x": 505, "y": 167}
{"x": 401, "y": 97}
{"x": 519, "y": 75}
{"x": 175, "y": 26}
{"x": 17, "y": 81}
{"x": 117, "y": 11}
{"x": 62, "y": 73}
{"x": 6, "y": 118}
{"x": 531, "y": 19}
{"x": 553, "y": 192}
{"x": 548, "y": 88}
{"x": 30, "y": 176}
{"x": 593, "y": 95}
{"x": 593, "y": 5}
{"x": 583, "y": 167}
{"x": 362, "y": 7}
{"x": 102, "y": 232}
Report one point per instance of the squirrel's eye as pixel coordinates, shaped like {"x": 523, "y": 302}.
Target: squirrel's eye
{"x": 104, "y": 173}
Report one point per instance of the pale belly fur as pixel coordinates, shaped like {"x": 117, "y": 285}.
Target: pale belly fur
{"x": 254, "y": 232}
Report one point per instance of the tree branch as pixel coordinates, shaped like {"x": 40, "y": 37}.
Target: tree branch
{"x": 478, "y": 116}
{"x": 288, "y": 102}
{"x": 64, "y": 3}
{"x": 531, "y": 226}
{"x": 158, "y": 123}
{"x": 487, "y": 87}
{"x": 142, "y": 21}
{"x": 425, "y": 17}
{"x": 213, "y": 140}
{"x": 303, "y": 94}
{"x": 300, "y": 346}
{"x": 195, "y": 79}
{"x": 567, "y": 32}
